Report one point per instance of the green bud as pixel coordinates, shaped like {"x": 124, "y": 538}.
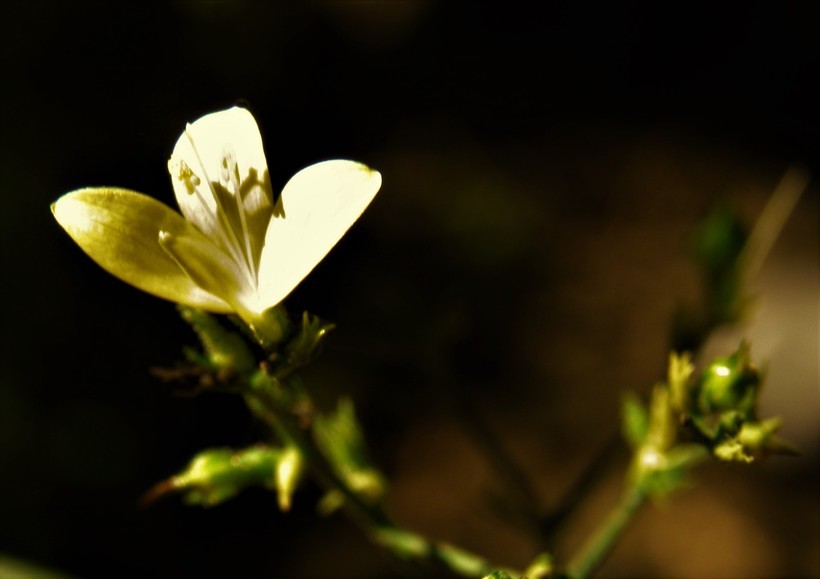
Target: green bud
{"x": 217, "y": 474}
{"x": 730, "y": 383}
{"x": 542, "y": 566}
{"x": 289, "y": 471}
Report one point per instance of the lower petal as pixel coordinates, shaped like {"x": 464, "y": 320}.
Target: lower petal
{"x": 118, "y": 229}
{"x": 212, "y": 270}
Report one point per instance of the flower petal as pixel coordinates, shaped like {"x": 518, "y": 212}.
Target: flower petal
{"x": 317, "y": 206}
{"x": 118, "y": 229}
{"x": 217, "y": 159}
{"x": 211, "y": 269}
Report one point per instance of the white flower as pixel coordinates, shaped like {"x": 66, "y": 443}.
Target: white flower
{"x": 232, "y": 249}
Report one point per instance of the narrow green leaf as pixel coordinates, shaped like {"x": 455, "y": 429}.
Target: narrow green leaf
{"x": 634, "y": 420}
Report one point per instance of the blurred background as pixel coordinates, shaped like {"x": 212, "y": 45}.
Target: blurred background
{"x": 521, "y": 266}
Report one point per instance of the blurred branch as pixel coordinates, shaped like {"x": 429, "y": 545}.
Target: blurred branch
{"x": 521, "y": 496}
{"x": 746, "y": 265}
{"x": 771, "y": 221}
{"x": 553, "y": 521}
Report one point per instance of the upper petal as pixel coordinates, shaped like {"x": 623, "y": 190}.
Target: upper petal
{"x": 118, "y": 229}
{"x": 317, "y": 206}
{"x": 220, "y": 178}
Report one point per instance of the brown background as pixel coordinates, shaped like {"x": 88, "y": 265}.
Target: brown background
{"x": 542, "y": 171}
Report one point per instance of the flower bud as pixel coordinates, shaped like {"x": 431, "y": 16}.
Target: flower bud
{"x": 729, "y": 383}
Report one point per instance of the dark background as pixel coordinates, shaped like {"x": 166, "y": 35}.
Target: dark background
{"x": 542, "y": 170}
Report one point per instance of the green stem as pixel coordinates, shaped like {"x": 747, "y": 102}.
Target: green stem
{"x": 288, "y": 429}
{"x": 600, "y": 544}
{"x": 411, "y": 548}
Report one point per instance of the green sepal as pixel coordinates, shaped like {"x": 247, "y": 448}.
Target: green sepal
{"x": 304, "y": 345}
{"x": 753, "y": 440}
{"x": 223, "y": 349}
{"x": 269, "y": 328}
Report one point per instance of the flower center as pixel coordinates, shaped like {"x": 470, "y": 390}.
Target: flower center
{"x": 228, "y": 221}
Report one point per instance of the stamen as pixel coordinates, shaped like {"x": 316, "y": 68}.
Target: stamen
{"x": 191, "y": 182}
{"x": 188, "y": 177}
{"x": 223, "y": 225}
{"x": 232, "y": 177}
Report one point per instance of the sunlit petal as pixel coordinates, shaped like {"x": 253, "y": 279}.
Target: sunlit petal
{"x": 118, "y": 229}
{"x": 317, "y": 206}
{"x": 220, "y": 178}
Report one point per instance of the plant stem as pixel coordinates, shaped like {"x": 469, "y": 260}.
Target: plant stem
{"x": 600, "y": 544}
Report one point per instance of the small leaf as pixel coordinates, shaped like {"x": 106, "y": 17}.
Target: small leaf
{"x": 330, "y": 503}
{"x": 340, "y": 438}
{"x": 680, "y": 372}
{"x": 303, "y": 347}
{"x": 461, "y": 561}
{"x": 403, "y": 543}
{"x": 717, "y": 244}
{"x": 684, "y": 456}
{"x": 634, "y": 420}
{"x": 662, "y": 428}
